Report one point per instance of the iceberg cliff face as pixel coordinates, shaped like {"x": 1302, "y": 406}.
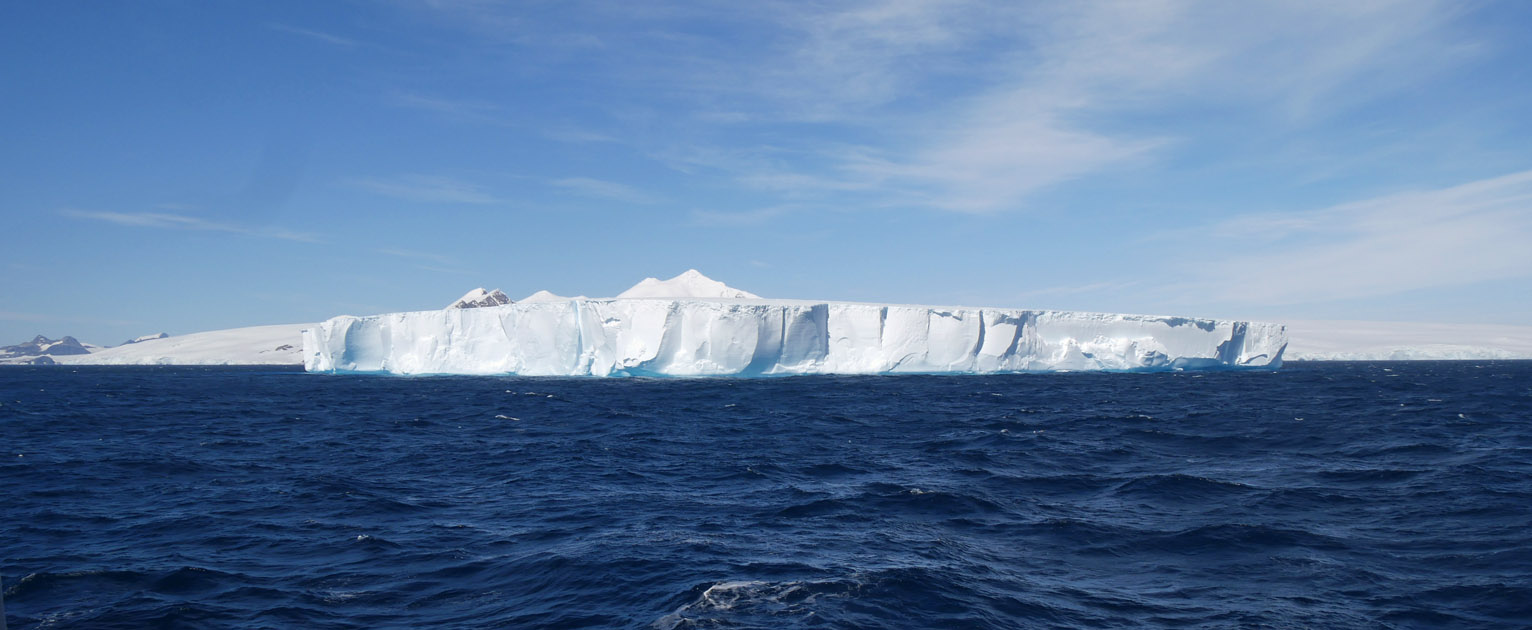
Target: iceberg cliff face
{"x": 747, "y": 337}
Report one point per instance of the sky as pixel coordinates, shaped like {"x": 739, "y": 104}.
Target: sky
{"x": 198, "y": 165}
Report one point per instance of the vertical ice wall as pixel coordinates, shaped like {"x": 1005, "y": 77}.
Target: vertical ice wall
{"x": 696, "y": 337}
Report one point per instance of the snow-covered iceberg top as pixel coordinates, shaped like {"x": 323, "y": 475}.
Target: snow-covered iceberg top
{"x": 545, "y": 296}
{"x": 714, "y": 336}
{"x": 690, "y": 284}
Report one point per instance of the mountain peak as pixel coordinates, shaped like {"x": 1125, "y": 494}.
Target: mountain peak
{"x": 41, "y": 345}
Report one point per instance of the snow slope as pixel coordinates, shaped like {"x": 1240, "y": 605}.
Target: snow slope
{"x": 547, "y": 296}
{"x": 256, "y": 345}
{"x": 697, "y": 337}
{"x": 146, "y": 338}
{"x": 690, "y": 284}
{"x": 1314, "y": 340}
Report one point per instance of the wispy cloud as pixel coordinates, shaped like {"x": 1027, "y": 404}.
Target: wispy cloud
{"x": 1107, "y": 54}
{"x": 963, "y": 105}
{"x": 481, "y": 112}
{"x": 426, "y": 188}
{"x": 1031, "y": 126}
{"x": 575, "y": 135}
{"x": 848, "y": 59}
{"x": 12, "y": 316}
{"x": 1039, "y": 84}
{"x": 427, "y": 261}
{"x": 451, "y": 270}
{"x": 312, "y": 34}
{"x": 1094, "y": 287}
{"x": 415, "y": 255}
{"x": 1454, "y": 236}
{"x": 997, "y": 161}
{"x": 466, "y": 110}
{"x": 741, "y": 218}
{"x": 169, "y": 221}
{"x": 604, "y": 189}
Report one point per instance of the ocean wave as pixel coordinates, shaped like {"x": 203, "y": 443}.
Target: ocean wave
{"x": 1325, "y": 495}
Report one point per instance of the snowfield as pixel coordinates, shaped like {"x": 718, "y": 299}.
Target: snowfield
{"x": 257, "y": 345}
{"x": 1314, "y": 340}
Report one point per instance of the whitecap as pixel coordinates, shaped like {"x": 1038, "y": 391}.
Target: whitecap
{"x": 750, "y": 598}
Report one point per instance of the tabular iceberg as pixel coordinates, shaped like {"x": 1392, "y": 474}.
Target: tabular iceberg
{"x": 691, "y": 336}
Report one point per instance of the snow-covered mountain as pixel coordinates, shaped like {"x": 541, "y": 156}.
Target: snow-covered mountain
{"x": 480, "y": 298}
{"x": 44, "y": 351}
{"x": 43, "y": 346}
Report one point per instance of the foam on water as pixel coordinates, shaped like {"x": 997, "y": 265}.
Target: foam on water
{"x": 726, "y": 604}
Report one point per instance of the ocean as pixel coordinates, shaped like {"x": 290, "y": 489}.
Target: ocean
{"x": 1321, "y": 495}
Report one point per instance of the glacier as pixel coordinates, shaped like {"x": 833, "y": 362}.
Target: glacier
{"x": 749, "y": 336}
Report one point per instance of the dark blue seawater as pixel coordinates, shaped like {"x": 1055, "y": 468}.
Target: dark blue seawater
{"x": 1353, "y": 495}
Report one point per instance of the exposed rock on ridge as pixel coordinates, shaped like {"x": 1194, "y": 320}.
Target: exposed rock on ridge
{"x": 480, "y": 298}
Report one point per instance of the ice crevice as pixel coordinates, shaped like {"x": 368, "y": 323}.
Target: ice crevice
{"x": 756, "y": 337}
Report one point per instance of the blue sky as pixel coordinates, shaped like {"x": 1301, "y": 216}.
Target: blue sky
{"x": 185, "y": 166}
